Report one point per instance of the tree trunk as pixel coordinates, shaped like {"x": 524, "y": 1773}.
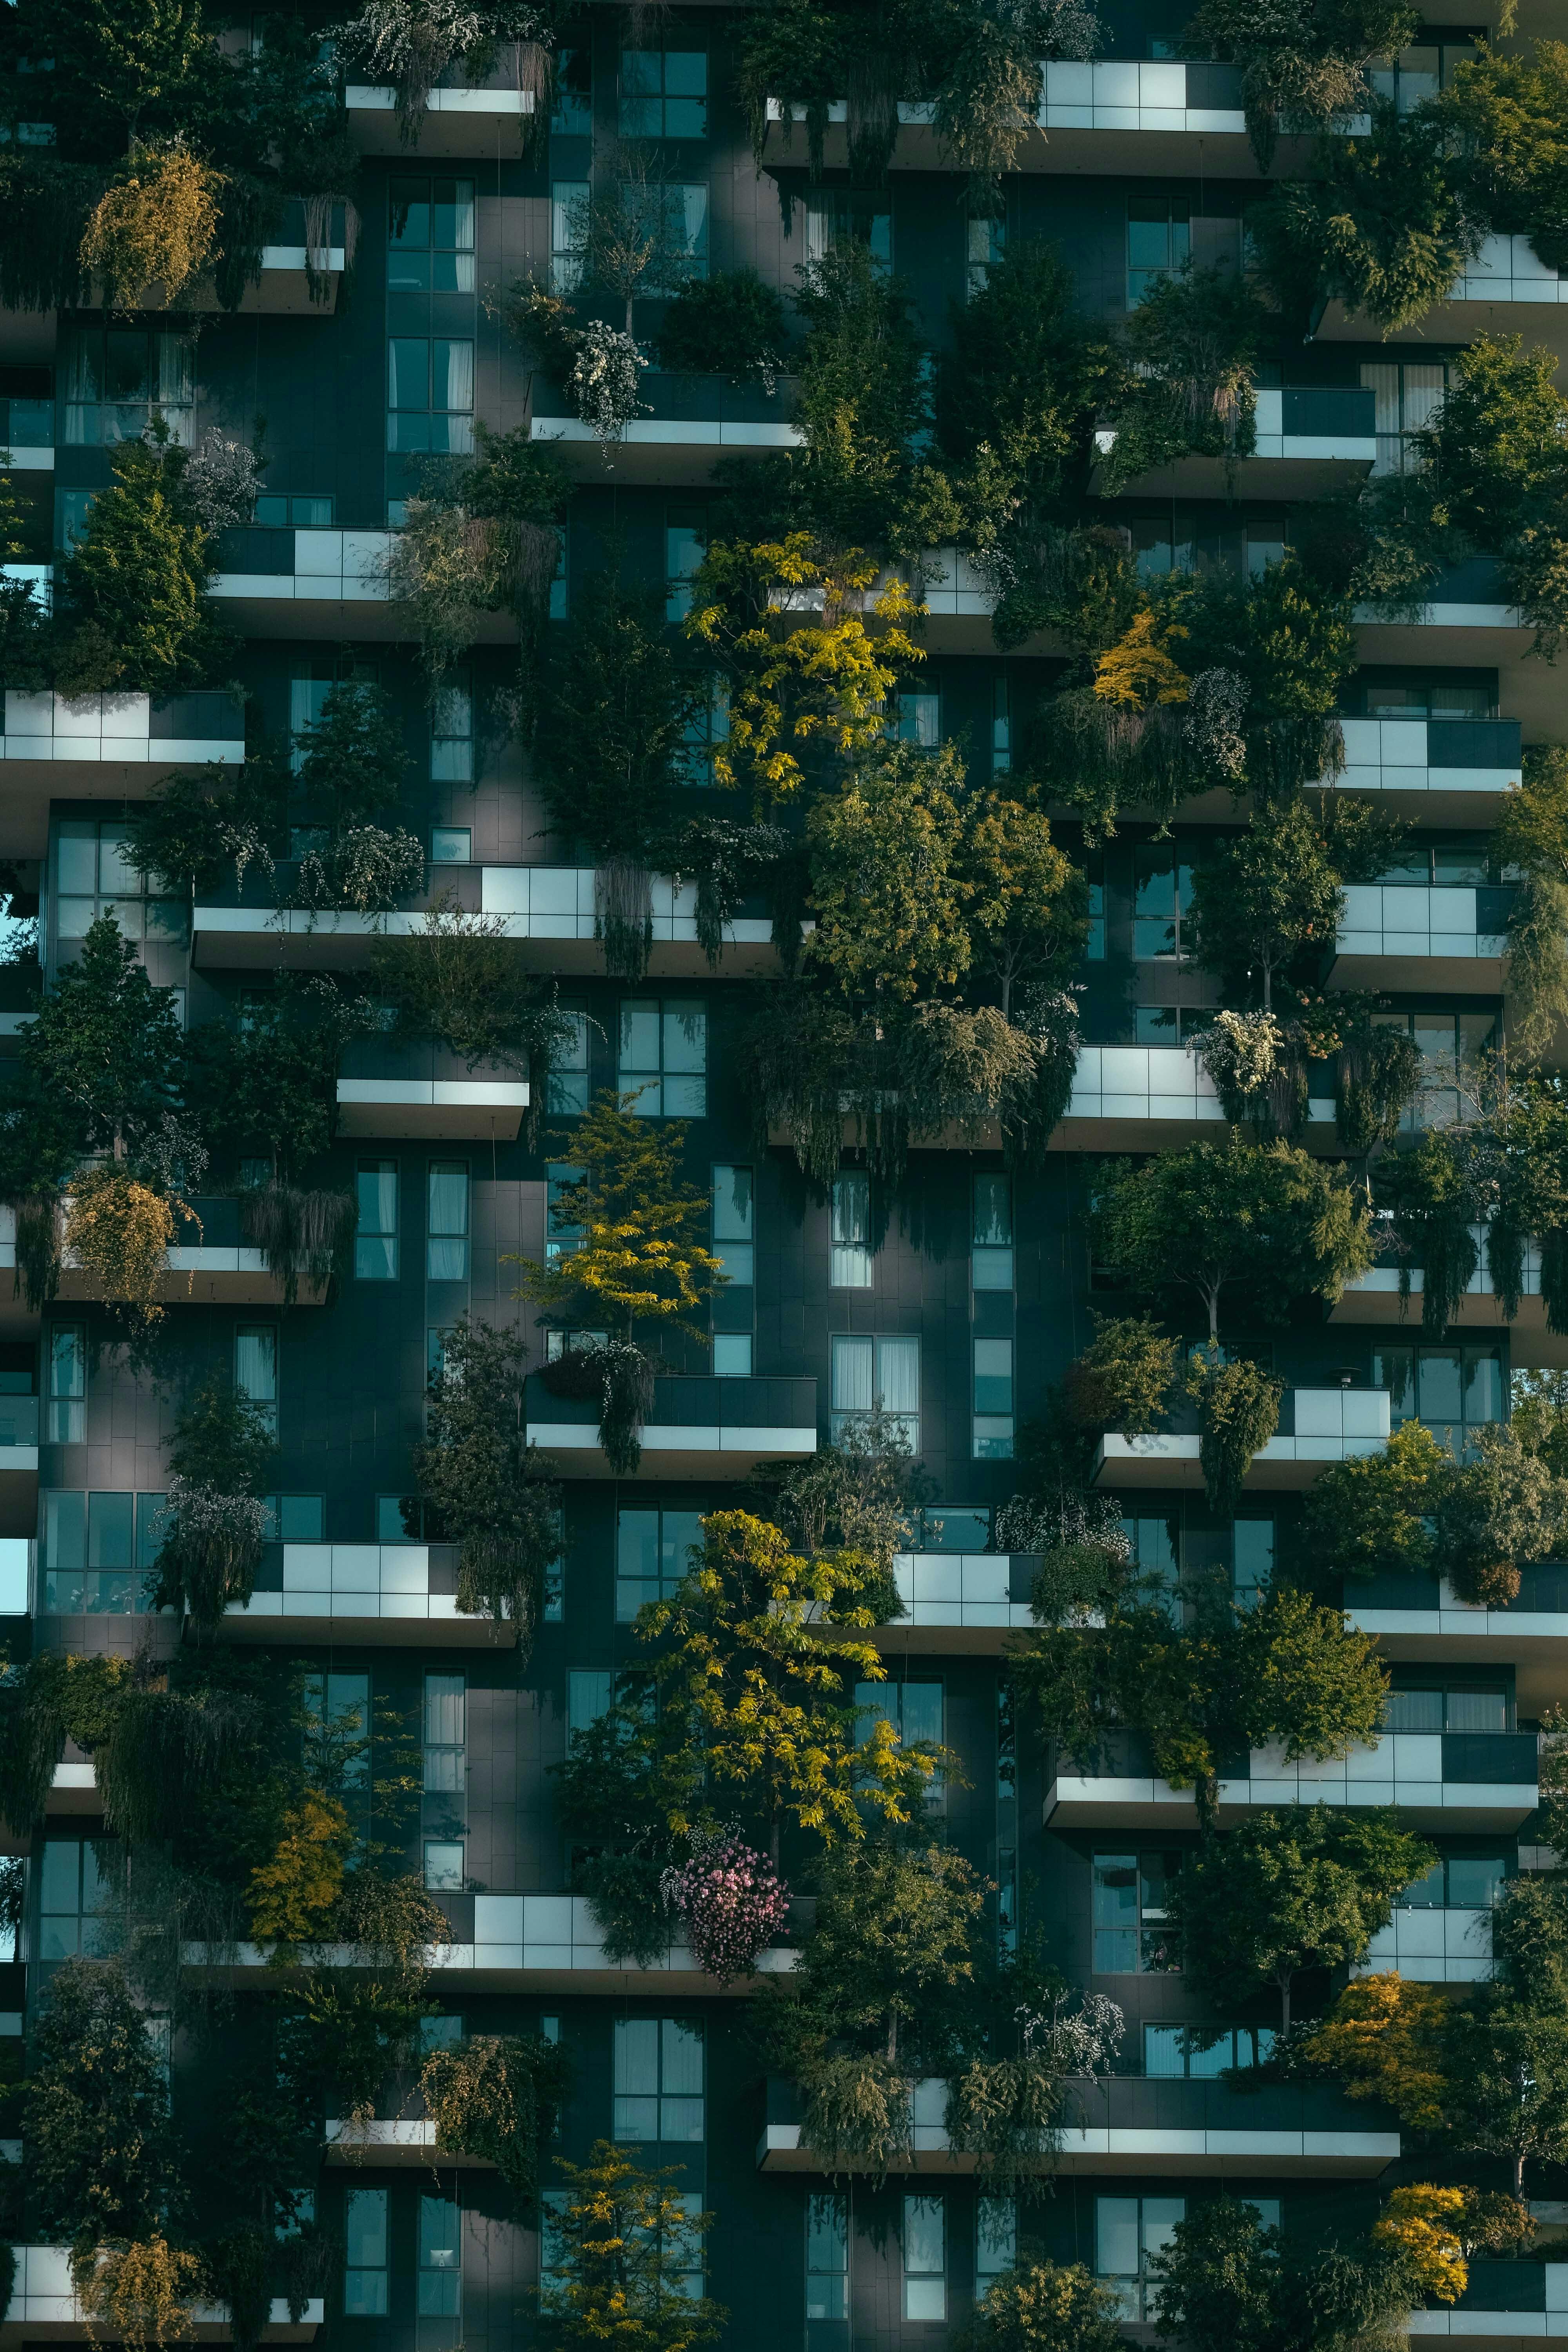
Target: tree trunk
{"x": 1213, "y": 1298}
{"x": 1282, "y": 1977}
{"x": 1519, "y": 2173}
{"x": 1268, "y": 987}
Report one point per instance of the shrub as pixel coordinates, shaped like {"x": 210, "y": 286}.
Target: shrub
{"x": 138, "y": 2295}
{"x": 729, "y": 325}
{"x": 118, "y": 1230}
{"x": 497, "y": 2100}
{"x": 1045, "y": 2307}
{"x": 155, "y": 226}
{"x": 730, "y": 1899}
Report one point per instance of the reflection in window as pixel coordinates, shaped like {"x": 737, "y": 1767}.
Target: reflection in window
{"x": 925, "y": 2258}
{"x": 991, "y": 1233}
{"x": 663, "y": 1055}
{"x": 871, "y": 1376}
{"x": 841, "y": 216}
{"x": 664, "y": 94}
{"x": 67, "y": 1423}
{"x": 364, "y": 2253}
{"x": 441, "y": 2294}
{"x": 430, "y": 241}
{"x": 849, "y": 1256}
{"x": 1129, "y": 2232}
{"x": 1199, "y": 2053}
{"x": 1162, "y": 895}
{"x": 446, "y": 1239}
{"x": 119, "y": 378}
{"x": 1451, "y": 1390}
{"x": 1132, "y": 1934}
{"x": 430, "y": 394}
{"x": 73, "y": 1896}
{"x": 568, "y": 1082}
{"x": 1407, "y": 394}
{"x": 658, "y": 2079}
{"x": 653, "y": 1555}
{"x": 94, "y": 875}
{"x": 827, "y": 2256}
{"x": 375, "y": 1241}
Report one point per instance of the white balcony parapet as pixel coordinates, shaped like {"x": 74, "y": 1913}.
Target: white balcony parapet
{"x": 1383, "y": 1279}
{"x": 337, "y": 1580}
{"x": 1400, "y": 919}
{"x": 530, "y": 902}
{"x": 1111, "y": 94}
{"x": 676, "y": 431}
{"x": 378, "y": 97}
{"x": 336, "y": 566}
{"x": 1394, "y": 755}
{"x": 1457, "y": 1619}
{"x": 43, "y": 2300}
{"x": 1432, "y": 1947}
{"x": 1154, "y": 1082}
{"x": 957, "y": 1589}
{"x": 1509, "y": 269}
{"x": 1400, "y": 1767}
{"x": 1330, "y": 1425}
{"x": 103, "y": 727}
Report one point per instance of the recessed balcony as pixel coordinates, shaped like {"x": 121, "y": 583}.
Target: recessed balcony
{"x": 1506, "y": 289}
{"x": 386, "y": 1595}
{"x": 102, "y": 746}
{"x": 219, "y": 1269}
{"x": 1457, "y": 766}
{"x": 698, "y": 1427}
{"x": 1505, "y": 2307}
{"x": 481, "y": 119}
{"x": 1316, "y": 1426}
{"x": 959, "y": 1602}
{"x": 1309, "y": 439}
{"x": 427, "y": 1093}
{"x": 274, "y": 582}
{"x": 691, "y": 423}
{"x": 1400, "y": 935}
{"x": 1418, "y": 1619}
{"x": 44, "y": 2308}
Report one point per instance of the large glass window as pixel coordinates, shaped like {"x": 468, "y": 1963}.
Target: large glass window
{"x": 568, "y": 1085}
{"x": 1162, "y": 895}
{"x": 1388, "y": 692}
{"x": 1462, "y": 1706}
{"x": 572, "y": 114}
{"x": 733, "y": 1230}
{"x": 1451, "y": 1390}
{"x": 588, "y": 1697}
{"x": 685, "y": 545}
{"x": 375, "y": 1241}
{"x": 440, "y": 2258}
{"x": 67, "y": 1420}
{"x": 1201, "y": 2053}
{"x": 256, "y": 1368}
{"x": 1460, "y": 1882}
{"x": 877, "y": 1376}
{"x": 1132, "y": 1932}
{"x": 991, "y": 1233}
{"x": 571, "y": 202}
{"x": 452, "y": 733}
{"x": 827, "y": 2256}
{"x": 446, "y": 1239}
{"x": 1129, "y": 2232}
{"x": 925, "y": 2258}
{"x": 986, "y": 244}
{"x": 664, "y": 94}
{"x": 657, "y": 2079}
{"x": 837, "y": 216}
{"x": 94, "y": 875}
{"x": 663, "y": 1055}
{"x": 364, "y": 2253}
{"x": 430, "y": 394}
{"x": 430, "y": 237}
{"x": 995, "y": 2240}
{"x": 117, "y": 378}
{"x": 73, "y": 1895}
{"x": 1407, "y": 394}
{"x": 849, "y": 1256}
{"x": 445, "y": 1732}
{"x": 653, "y": 1554}
{"x": 992, "y": 1429}
{"x": 95, "y": 1551}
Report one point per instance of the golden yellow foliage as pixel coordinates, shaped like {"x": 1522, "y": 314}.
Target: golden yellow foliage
{"x": 154, "y": 228}
{"x": 294, "y": 1895}
{"x": 118, "y": 1231}
{"x": 1421, "y": 2223}
{"x": 138, "y": 2294}
{"x": 1384, "y": 2038}
{"x": 1137, "y": 673}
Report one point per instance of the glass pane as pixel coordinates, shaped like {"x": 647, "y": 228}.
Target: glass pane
{"x": 110, "y": 1530}
{"x": 685, "y": 1036}
{"x": 1115, "y": 1890}
{"x": 407, "y": 373}
{"x": 365, "y": 2224}
{"x": 993, "y": 1211}
{"x": 853, "y": 1363}
{"x": 1425, "y": 1894}
{"x": 1474, "y": 1880}
{"x": 996, "y": 2234}
{"x": 732, "y": 1204}
{"x": 680, "y": 2119}
{"x": 1394, "y": 1368}
{"x": 255, "y": 1364}
{"x": 1116, "y": 2236}
{"x": 682, "y": 2057}
{"x": 448, "y": 1199}
{"x": 68, "y": 1361}
{"x": 453, "y": 215}
{"x": 1483, "y": 1387}
{"x": 921, "y": 1714}
{"x": 826, "y": 2234}
{"x": 452, "y": 376}
{"x": 1413, "y": 1710}
{"x": 639, "y": 1034}
{"x": 446, "y": 1709}
{"x": 923, "y": 2235}
{"x": 377, "y": 1187}
{"x": 1160, "y": 2215}
{"x": 898, "y": 1374}
{"x": 681, "y": 1532}
{"x": 1165, "y": 2051}
{"x": 1477, "y": 1711}
{"x": 1437, "y": 1384}
{"x": 636, "y": 2055}
{"x": 438, "y": 2227}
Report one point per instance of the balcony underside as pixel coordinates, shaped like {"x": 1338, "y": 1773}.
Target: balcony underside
{"x": 260, "y": 938}
{"x": 1530, "y": 1345}
{"x": 667, "y": 452}
{"x": 528, "y": 1972}
{"x": 1073, "y": 1802}
{"x": 28, "y": 787}
{"x": 1422, "y": 974}
{"x": 1223, "y": 153}
{"x": 1535, "y": 1643}
{"x": 1158, "y": 1463}
{"x": 1107, "y": 2148}
{"x": 260, "y": 1624}
{"x": 672, "y": 1451}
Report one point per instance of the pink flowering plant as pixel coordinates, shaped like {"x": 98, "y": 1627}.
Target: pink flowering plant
{"x": 730, "y": 1899}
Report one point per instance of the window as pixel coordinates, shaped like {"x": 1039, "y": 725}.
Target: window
{"x": 293, "y": 1518}
{"x": 657, "y": 2079}
{"x": 446, "y": 1245}
{"x": 73, "y": 1895}
{"x": 569, "y": 203}
{"x": 1132, "y": 1935}
{"x": 561, "y": 1234}
{"x": 308, "y": 699}
{"x": 1416, "y": 75}
{"x": 430, "y": 394}
{"x": 925, "y": 2258}
{"x": 986, "y": 246}
{"x": 1446, "y": 1709}
{"x": 365, "y": 2272}
{"x": 676, "y": 215}
{"x": 1001, "y": 726}
{"x": 451, "y": 844}
{"x": 117, "y": 378}
{"x": 991, "y": 1233}
{"x": 733, "y": 1241}
{"x": 93, "y": 876}
{"x": 338, "y": 1708}
{"x": 298, "y": 511}
{"x": 444, "y": 1866}
{"x": 256, "y": 1368}
{"x": 685, "y": 545}
{"x": 995, "y": 2240}
{"x": 67, "y": 1423}
{"x": 1095, "y": 945}
{"x": 445, "y": 1731}
{"x": 1450, "y": 1041}
{"x": 877, "y": 1376}
{"x": 440, "y": 2258}
{"x": 1252, "y": 1559}
{"x": 664, "y": 94}
{"x": 587, "y": 1698}
{"x": 452, "y": 734}
{"x": 913, "y": 1712}
{"x": 663, "y": 1055}
{"x": 1202, "y": 2051}
{"x": 1450, "y": 1389}
{"x": 1395, "y": 693}
{"x": 1159, "y": 239}
{"x": 838, "y": 215}
{"x": 827, "y": 2256}
{"x": 849, "y": 1248}
{"x": 993, "y": 1419}
{"x": 375, "y": 1241}
{"x": 1459, "y": 1882}
{"x": 95, "y": 1551}
{"x": 1441, "y": 863}
{"x": 947, "y": 1527}
{"x": 652, "y": 1556}
{"x": 573, "y": 115}
{"x": 568, "y": 1082}
{"x": 1407, "y": 394}
{"x": 440, "y": 2033}
{"x": 1129, "y": 2232}
{"x": 430, "y": 243}
{"x": 917, "y": 719}
{"x": 1196, "y": 540}
{"x": 1163, "y": 894}
{"x": 398, "y": 1518}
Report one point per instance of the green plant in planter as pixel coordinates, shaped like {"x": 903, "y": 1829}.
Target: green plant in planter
{"x": 1433, "y": 1200}
{"x": 1373, "y": 1516}
{"x": 457, "y": 980}
{"x": 1239, "y": 1412}
{"x": 481, "y": 536}
{"x": 219, "y": 1465}
{"x": 727, "y": 862}
{"x": 1502, "y": 1508}
{"x": 1194, "y": 340}
{"x": 1533, "y": 835}
{"x": 626, "y": 1776}
{"x": 131, "y": 606}
{"x": 729, "y": 325}
{"x": 1267, "y": 898}
{"x": 1037, "y": 2304}
{"x": 1123, "y": 1378}
{"x": 1509, "y": 115}
{"x": 1303, "y": 64}
{"x": 100, "y": 2155}
{"x": 482, "y": 1481}
{"x": 497, "y": 2098}
{"x": 197, "y": 824}
{"x": 155, "y": 227}
{"x": 412, "y": 42}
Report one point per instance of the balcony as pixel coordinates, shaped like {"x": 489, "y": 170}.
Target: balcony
{"x": 483, "y": 119}
{"x": 1505, "y": 2307}
{"x": 1309, "y": 438}
{"x": 959, "y": 1600}
{"x": 1374, "y": 1297}
{"x": 427, "y": 1093}
{"x": 699, "y": 1427}
{"x": 218, "y": 1270}
{"x": 1447, "y": 1780}
{"x": 1433, "y": 1946}
{"x": 1398, "y": 935}
{"x": 1114, "y": 115}
{"x": 1465, "y": 619}
{"x": 1507, "y": 290}
{"x": 1130, "y": 2124}
{"x": 1417, "y": 1618}
{"x": 27, "y": 433}
{"x": 547, "y": 909}
{"x": 391, "y": 1595}
{"x": 18, "y": 1476}
{"x": 693, "y": 421}
{"x": 315, "y": 583}
{"x": 102, "y": 746}
{"x": 1458, "y": 765}
{"x": 1316, "y": 1426}
{"x": 44, "y": 2309}
{"x": 1137, "y": 1097}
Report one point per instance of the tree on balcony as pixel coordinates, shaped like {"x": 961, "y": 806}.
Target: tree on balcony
{"x": 100, "y": 2154}
{"x": 621, "y": 2251}
{"x": 483, "y": 1485}
{"x": 731, "y": 324}
{"x": 214, "y": 1522}
{"x": 1227, "y": 2283}
{"x": 1301, "y": 67}
{"x": 1045, "y": 2307}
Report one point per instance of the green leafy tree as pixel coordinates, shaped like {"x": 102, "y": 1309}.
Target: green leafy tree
{"x": 100, "y": 2159}
{"x": 198, "y": 824}
{"x": 1372, "y": 1516}
{"x": 267, "y": 1087}
{"x": 1217, "y": 1215}
{"x": 886, "y": 886}
{"x": 131, "y": 594}
{"x": 485, "y": 1486}
{"x": 1532, "y": 835}
{"x": 1023, "y": 381}
{"x": 1124, "y": 1377}
{"x": 621, "y": 2250}
{"x": 1265, "y": 899}
{"x": 1027, "y": 904}
{"x": 627, "y": 1775}
{"x": 354, "y": 758}
{"x": 1043, "y": 2306}
{"x": 619, "y": 707}
{"x": 1226, "y": 2283}
{"x": 755, "y": 1659}
{"x": 730, "y": 324}
{"x": 1239, "y": 1412}
{"x": 861, "y": 398}
{"x": 1304, "y": 1888}
{"x": 106, "y": 1045}
{"x": 1500, "y": 1508}
{"x": 1510, "y": 113}
{"x": 1194, "y": 339}
{"x": 1508, "y": 2057}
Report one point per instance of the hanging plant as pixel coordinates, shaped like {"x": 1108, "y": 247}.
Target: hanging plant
{"x": 623, "y": 915}
{"x": 497, "y": 2099}
{"x": 137, "y": 2294}
{"x": 730, "y": 1900}
{"x": 1434, "y": 1200}
{"x": 118, "y": 1231}
{"x": 156, "y": 228}
{"x": 211, "y": 1550}
{"x": 1215, "y": 728}
{"x": 627, "y": 1377}
{"x": 365, "y": 870}
{"x": 163, "y": 1750}
{"x": 857, "y": 2114}
{"x": 606, "y": 365}
{"x": 236, "y": 2273}
{"x": 410, "y": 44}
{"x": 484, "y": 1485}
{"x": 727, "y": 862}
{"x": 40, "y": 1226}
{"x": 1239, "y": 1412}
{"x": 304, "y": 1236}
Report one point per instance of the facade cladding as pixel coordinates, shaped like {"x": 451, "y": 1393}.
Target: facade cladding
{"x": 942, "y": 1304}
